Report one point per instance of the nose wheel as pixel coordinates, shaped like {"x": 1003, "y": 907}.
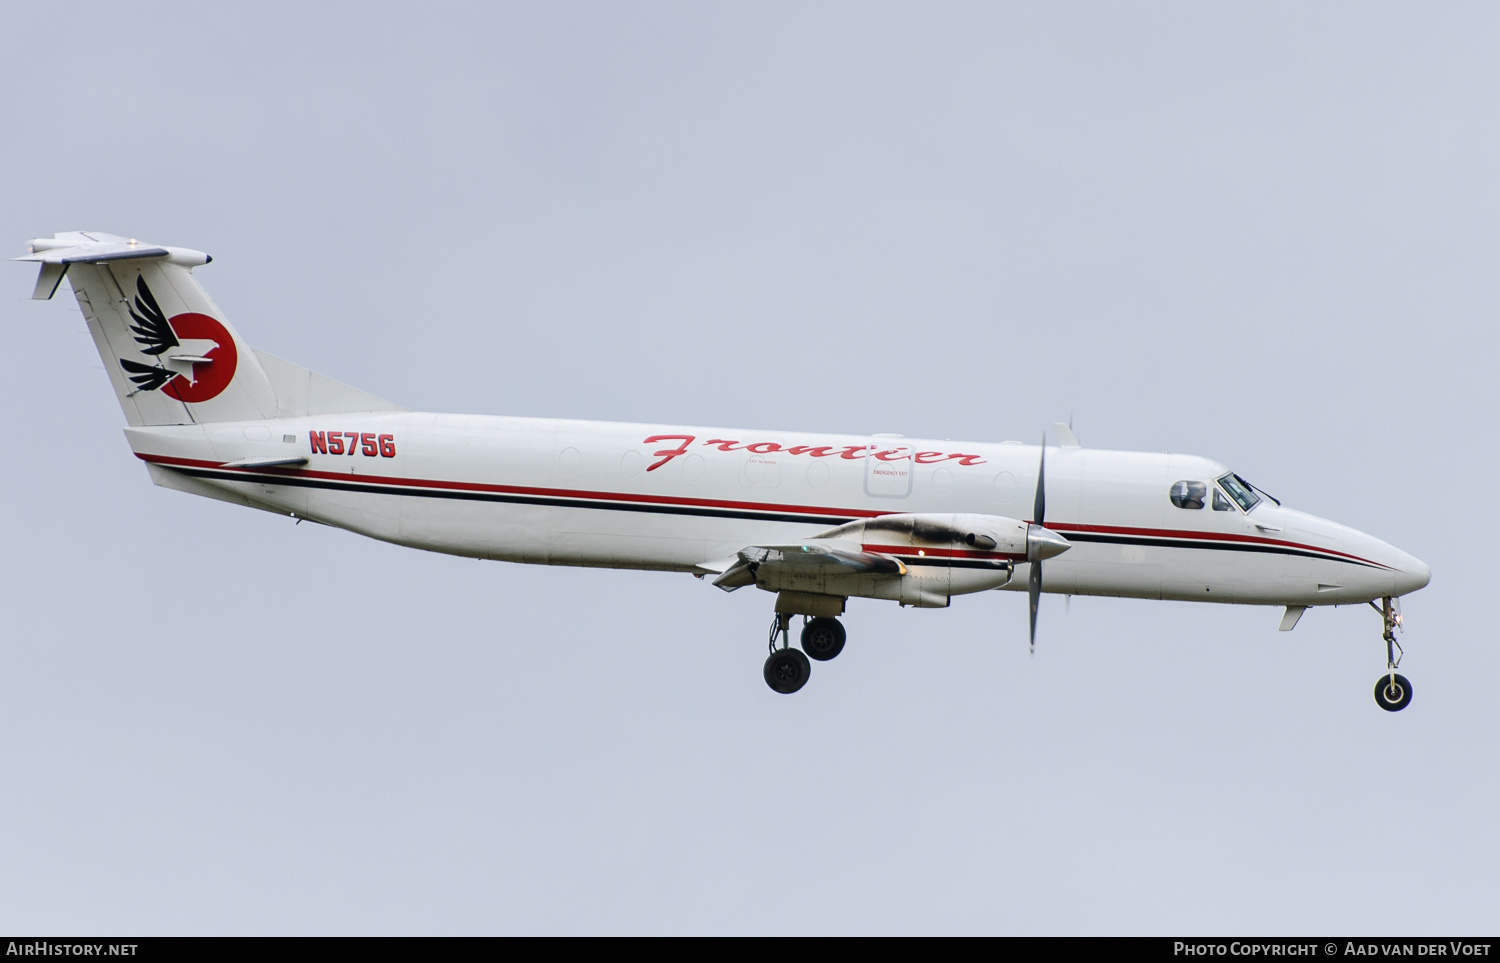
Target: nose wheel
{"x": 1392, "y": 690}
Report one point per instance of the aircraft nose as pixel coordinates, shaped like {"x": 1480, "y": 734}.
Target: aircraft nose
{"x": 1411, "y": 574}
{"x": 1393, "y": 572}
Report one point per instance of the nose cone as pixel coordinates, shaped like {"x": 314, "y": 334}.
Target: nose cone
{"x": 1411, "y": 573}
{"x": 1043, "y": 543}
{"x": 1371, "y": 567}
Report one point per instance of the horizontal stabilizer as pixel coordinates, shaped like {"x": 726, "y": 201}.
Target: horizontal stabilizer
{"x": 93, "y": 247}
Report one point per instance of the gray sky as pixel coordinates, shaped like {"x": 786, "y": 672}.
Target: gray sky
{"x": 1264, "y": 235}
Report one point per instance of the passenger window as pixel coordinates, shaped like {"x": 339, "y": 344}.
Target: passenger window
{"x": 1222, "y": 504}
{"x": 1189, "y": 494}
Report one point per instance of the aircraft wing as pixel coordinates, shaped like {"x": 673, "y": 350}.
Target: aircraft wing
{"x": 806, "y": 560}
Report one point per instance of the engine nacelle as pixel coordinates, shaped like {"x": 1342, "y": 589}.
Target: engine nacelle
{"x": 942, "y": 554}
{"x": 914, "y": 559}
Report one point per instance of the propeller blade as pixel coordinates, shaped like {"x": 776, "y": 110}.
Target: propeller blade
{"x": 1039, "y": 509}
{"x": 1034, "y": 594}
{"x": 1041, "y": 543}
{"x": 1038, "y": 514}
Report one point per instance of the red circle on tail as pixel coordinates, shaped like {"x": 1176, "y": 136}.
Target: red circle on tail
{"x": 209, "y": 377}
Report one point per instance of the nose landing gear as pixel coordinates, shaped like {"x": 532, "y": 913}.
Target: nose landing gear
{"x": 1392, "y": 690}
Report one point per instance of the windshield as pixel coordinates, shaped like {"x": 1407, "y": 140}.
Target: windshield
{"x": 1239, "y": 489}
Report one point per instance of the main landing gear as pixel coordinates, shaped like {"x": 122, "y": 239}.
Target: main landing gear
{"x": 1392, "y": 690}
{"x": 823, "y": 638}
{"x": 787, "y": 669}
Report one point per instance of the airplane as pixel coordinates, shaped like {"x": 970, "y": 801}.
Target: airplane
{"x": 815, "y": 519}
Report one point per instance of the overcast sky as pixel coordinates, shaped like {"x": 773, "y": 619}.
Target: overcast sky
{"x": 1266, "y": 234}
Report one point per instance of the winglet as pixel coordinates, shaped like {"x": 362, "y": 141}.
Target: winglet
{"x": 1065, "y": 436}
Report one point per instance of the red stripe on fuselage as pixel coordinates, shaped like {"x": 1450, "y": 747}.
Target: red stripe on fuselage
{"x": 633, "y": 497}
{"x": 647, "y": 499}
{"x": 1064, "y": 528}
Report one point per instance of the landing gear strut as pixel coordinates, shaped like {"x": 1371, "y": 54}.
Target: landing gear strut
{"x": 787, "y": 669}
{"x": 1392, "y": 690}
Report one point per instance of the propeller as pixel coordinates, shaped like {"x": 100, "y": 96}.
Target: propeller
{"x": 1041, "y": 542}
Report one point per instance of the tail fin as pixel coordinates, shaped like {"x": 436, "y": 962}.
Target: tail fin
{"x": 172, "y": 356}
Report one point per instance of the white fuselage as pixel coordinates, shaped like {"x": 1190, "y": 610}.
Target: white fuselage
{"x": 685, "y": 499}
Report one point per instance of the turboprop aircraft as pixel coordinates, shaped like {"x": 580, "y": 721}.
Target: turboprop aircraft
{"x": 816, "y": 519}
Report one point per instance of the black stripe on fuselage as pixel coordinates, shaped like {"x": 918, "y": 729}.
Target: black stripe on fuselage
{"x": 294, "y": 481}
{"x": 1158, "y": 541}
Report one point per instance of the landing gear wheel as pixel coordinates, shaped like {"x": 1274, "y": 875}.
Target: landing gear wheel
{"x": 823, "y": 638}
{"x": 1393, "y": 692}
{"x": 787, "y": 670}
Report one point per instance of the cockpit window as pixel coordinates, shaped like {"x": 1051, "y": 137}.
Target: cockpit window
{"x": 1240, "y": 491}
{"x": 1222, "y": 502}
{"x": 1188, "y": 494}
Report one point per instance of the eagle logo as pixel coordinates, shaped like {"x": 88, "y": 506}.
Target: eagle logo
{"x": 194, "y": 354}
